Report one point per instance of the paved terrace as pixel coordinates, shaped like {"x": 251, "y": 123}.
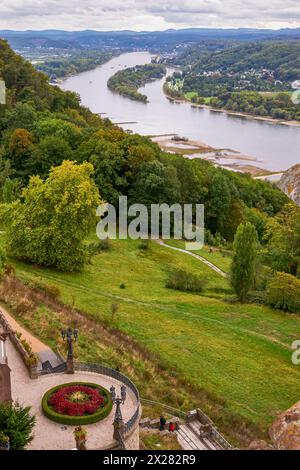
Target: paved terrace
{"x": 54, "y": 436}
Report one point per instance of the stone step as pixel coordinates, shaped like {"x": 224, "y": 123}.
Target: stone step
{"x": 192, "y": 438}
{"x": 185, "y": 442}
{"x": 209, "y": 443}
{"x": 195, "y": 428}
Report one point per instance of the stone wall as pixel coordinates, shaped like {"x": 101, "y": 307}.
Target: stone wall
{"x": 18, "y": 345}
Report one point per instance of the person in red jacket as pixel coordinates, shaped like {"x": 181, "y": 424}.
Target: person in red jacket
{"x": 171, "y": 427}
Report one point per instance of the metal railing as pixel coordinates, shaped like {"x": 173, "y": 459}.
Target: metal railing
{"x": 167, "y": 408}
{"x": 215, "y": 433}
{"x": 104, "y": 370}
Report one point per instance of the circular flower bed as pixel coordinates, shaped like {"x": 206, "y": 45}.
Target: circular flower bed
{"x": 77, "y": 403}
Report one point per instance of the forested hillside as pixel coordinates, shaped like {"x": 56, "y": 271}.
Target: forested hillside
{"x": 281, "y": 57}
{"x": 255, "y": 78}
{"x": 41, "y": 126}
{"x": 74, "y": 62}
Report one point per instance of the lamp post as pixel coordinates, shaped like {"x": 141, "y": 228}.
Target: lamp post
{"x": 118, "y": 401}
{"x": 69, "y": 336}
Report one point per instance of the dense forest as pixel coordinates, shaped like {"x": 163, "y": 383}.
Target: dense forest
{"x": 41, "y": 126}
{"x": 128, "y": 81}
{"x": 283, "y": 58}
{"x": 74, "y": 62}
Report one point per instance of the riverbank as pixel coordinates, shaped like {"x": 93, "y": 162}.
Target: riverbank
{"x": 232, "y": 113}
{"x": 265, "y": 145}
{"x": 226, "y": 158}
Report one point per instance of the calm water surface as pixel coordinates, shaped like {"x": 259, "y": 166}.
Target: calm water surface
{"x": 276, "y": 147}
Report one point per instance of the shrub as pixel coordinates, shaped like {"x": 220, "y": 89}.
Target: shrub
{"x": 95, "y": 248}
{"x": 75, "y": 418}
{"x": 283, "y": 292}
{"x": 17, "y": 424}
{"x": 49, "y": 289}
{"x": 122, "y": 286}
{"x": 184, "y": 281}
{"x": 144, "y": 245}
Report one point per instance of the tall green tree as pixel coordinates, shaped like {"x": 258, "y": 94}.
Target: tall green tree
{"x": 19, "y": 151}
{"x": 49, "y": 227}
{"x": 283, "y": 240}
{"x": 243, "y": 265}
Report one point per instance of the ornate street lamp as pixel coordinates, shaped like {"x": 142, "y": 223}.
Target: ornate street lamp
{"x": 118, "y": 401}
{"x": 69, "y": 336}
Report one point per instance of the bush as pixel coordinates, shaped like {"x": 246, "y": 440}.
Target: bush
{"x": 95, "y": 248}
{"x": 17, "y": 424}
{"x": 186, "y": 282}
{"x": 144, "y": 245}
{"x": 283, "y": 292}
{"x": 77, "y": 420}
{"x": 49, "y": 289}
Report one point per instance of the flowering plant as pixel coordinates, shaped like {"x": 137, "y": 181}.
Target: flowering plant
{"x": 76, "y": 400}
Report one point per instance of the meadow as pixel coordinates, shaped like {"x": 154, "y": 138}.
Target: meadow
{"x": 237, "y": 355}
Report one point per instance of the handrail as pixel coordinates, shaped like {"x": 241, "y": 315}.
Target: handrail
{"x": 104, "y": 370}
{"x": 170, "y": 409}
{"x": 181, "y": 414}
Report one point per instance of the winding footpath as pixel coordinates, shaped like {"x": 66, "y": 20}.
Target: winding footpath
{"x": 200, "y": 258}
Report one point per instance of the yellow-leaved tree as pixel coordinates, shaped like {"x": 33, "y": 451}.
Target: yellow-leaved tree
{"x": 49, "y": 224}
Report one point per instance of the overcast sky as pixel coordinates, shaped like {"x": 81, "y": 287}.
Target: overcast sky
{"x": 147, "y": 15}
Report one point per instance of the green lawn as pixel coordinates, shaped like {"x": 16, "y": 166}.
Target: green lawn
{"x": 219, "y": 257}
{"x": 239, "y": 353}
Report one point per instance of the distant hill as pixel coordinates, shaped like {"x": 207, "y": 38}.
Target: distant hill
{"x": 282, "y": 57}
{"x": 154, "y": 40}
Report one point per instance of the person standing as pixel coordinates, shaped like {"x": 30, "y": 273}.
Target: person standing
{"x": 171, "y": 427}
{"x": 162, "y": 423}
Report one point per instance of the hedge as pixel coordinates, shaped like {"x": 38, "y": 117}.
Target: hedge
{"x": 77, "y": 420}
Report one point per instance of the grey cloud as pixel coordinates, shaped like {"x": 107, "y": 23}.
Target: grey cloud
{"x": 151, "y": 14}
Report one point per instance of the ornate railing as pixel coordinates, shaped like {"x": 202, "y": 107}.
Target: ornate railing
{"x": 105, "y": 370}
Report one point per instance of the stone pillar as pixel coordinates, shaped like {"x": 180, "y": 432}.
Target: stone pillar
{"x": 5, "y": 382}
{"x": 70, "y": 366}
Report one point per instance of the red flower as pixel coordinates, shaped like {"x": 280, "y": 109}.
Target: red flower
{"x": 62, "y": 401}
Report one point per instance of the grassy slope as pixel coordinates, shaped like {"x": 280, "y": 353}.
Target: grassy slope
{"x": 155, "y": 441}
{"x": 221, "y": 258}
{"x": 240, "y": 353}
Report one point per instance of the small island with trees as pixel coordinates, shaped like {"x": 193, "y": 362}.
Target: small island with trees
{"x": 127, "y": 82}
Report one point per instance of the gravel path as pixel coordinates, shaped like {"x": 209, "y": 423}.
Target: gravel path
{"x": 50, "y": 435}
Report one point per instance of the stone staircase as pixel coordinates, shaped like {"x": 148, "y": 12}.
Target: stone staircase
{"x": 188, "y": 438}
{"x": 50, "y": 362}
{"x": 195, "y": 432}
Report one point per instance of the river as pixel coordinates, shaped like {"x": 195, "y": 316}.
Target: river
{"x": 276, "y": 147}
